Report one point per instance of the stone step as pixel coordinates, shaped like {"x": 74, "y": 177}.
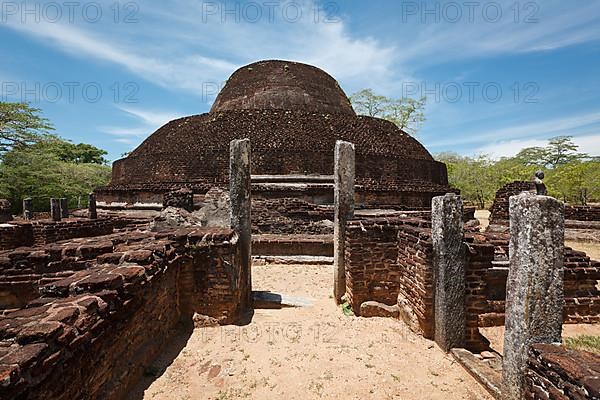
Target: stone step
{"x": 269, "y": 300}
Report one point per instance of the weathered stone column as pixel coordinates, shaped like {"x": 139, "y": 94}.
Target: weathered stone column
{"x": 92, "y": 213}
{"x": 239, "y": 192}
{"x": 534, "y": 289}
{"x": 64, "y": 208}
{"x": 449, "y": 259}
{"x": 343, "y": 193}
{"x": 55, "y": 209}
{"x": 28, "y": 208}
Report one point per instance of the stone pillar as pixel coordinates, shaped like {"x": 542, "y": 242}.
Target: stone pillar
{"x": 92, "y": 213}
{"x": 55, "y": 213}
{"x": 534, "y": 289}
{"x": 449, "y": 263}
{"x": 64, "y": 208}
{"x": 344, "y": 210}
{"x": 28, "y": 208}
{"x": 239, "y": 192}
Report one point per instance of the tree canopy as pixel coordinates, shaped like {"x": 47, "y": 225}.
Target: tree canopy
{"x": 36, "y": 164}
{"x": 570, "y": 175}
{"x": 407, "y": 113}
{"x": 21, "y": 124}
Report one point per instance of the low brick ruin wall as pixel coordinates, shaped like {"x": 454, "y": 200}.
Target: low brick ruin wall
{"x": 292, "y": 245}
{"x": 389, "y": 260}
{"x": 91, "y": 332}
{"x": 499, "y": 209}
{"x": 486, "y": 287}
{"x": 291, "y": 216}
{"x": 556, "y": 373}
{"x": 39, "y": 233}
{"x": 45, "y": 232}
{"x": 15, "y": 235}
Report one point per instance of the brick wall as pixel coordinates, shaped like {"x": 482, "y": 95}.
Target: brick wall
{"x": 91, "y": 333}
{"x": 5, "y": 211}
{"x": 47, "y": 231}
{"x": 486, "y": 286}
{"x": 390, "y": 260}
{"x": 386, "y": 257}
{"x": 41, "y": 232}
{"x": 557, "y": 373}
{"x": 291, "y": 216}
{"x": 15, "y": 235}
{"x": 499, "y": 210}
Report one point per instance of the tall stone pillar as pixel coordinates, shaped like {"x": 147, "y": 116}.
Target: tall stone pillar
{"x": 64, "y": 208}
{"x": 55, "y": 213}
{"x": 449, "y": 259}
{"x": 344, "y": 164}
{"x": 92, "y": 213}
{"x": 534, "y": 289}
{"x": 28, "y": 208}
{"x": 239, "y": 192}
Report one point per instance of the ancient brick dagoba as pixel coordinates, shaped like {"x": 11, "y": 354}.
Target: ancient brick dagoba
{"x": 293, "y": 114}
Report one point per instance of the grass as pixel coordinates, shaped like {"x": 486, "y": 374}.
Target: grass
{"x": 584, "y": 342}
{"x": 347, "y": 310}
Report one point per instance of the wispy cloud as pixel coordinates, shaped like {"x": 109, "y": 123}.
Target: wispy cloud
{"x": 589, "y": 144}
{"x": 543, "y": 129}
{"x": 190, "y": 53}
{"x": 146, "y": 122}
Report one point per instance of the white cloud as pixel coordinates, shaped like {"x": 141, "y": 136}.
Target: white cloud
{"x": 546, "y": 128}
{"x": 147, "y": 121}
{"x": 151, "y": 117}
{"x": 589, "y": 144}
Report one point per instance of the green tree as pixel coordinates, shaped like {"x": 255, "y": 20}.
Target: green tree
{"x": 20, "y": 124}
{"x": 406, "y": 113}
{"x": 560, "y": 151}
{"x": 365, "y": 102}
{"x": 81, "y": 153}
{"x": 36, "y": 171}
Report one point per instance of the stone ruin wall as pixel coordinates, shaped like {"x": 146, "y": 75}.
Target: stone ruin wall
{"x": 390, "y": 260}
{"x": 89, "y": 328}
{"x": 499, "y": 210}
{"x": 42, "y": 232}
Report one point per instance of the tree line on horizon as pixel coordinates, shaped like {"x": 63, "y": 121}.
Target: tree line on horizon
{"x": 570, "y": 175}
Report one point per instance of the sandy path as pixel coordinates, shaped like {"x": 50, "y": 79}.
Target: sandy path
{"x": 309, "y": 353}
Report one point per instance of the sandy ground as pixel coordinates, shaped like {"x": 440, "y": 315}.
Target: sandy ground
{"x": 496, "y": 334}
{"x": 591, "y": 249}
{"x": 307, "y": 353}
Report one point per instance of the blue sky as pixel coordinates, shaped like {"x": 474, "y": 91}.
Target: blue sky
{"x": 499, "y": 75}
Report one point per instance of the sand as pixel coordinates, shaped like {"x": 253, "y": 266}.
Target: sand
{"x": 313, "y": 352}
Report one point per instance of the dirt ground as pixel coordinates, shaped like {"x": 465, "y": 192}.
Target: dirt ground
{"x": 592, "y": 249}
{"x": 496, "y": 334}
{"x": 305, "y": 353}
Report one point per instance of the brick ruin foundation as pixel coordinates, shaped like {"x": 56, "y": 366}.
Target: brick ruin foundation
{"x": 91, "y": 314}
{"x": 557, "y": 373}
{"x": 41, "y": 232}
{"x": 499, "y": 210}
{"x": 390, "y": 260}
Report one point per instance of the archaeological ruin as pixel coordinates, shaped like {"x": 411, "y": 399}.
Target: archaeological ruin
{"x": 282, "y": 167}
